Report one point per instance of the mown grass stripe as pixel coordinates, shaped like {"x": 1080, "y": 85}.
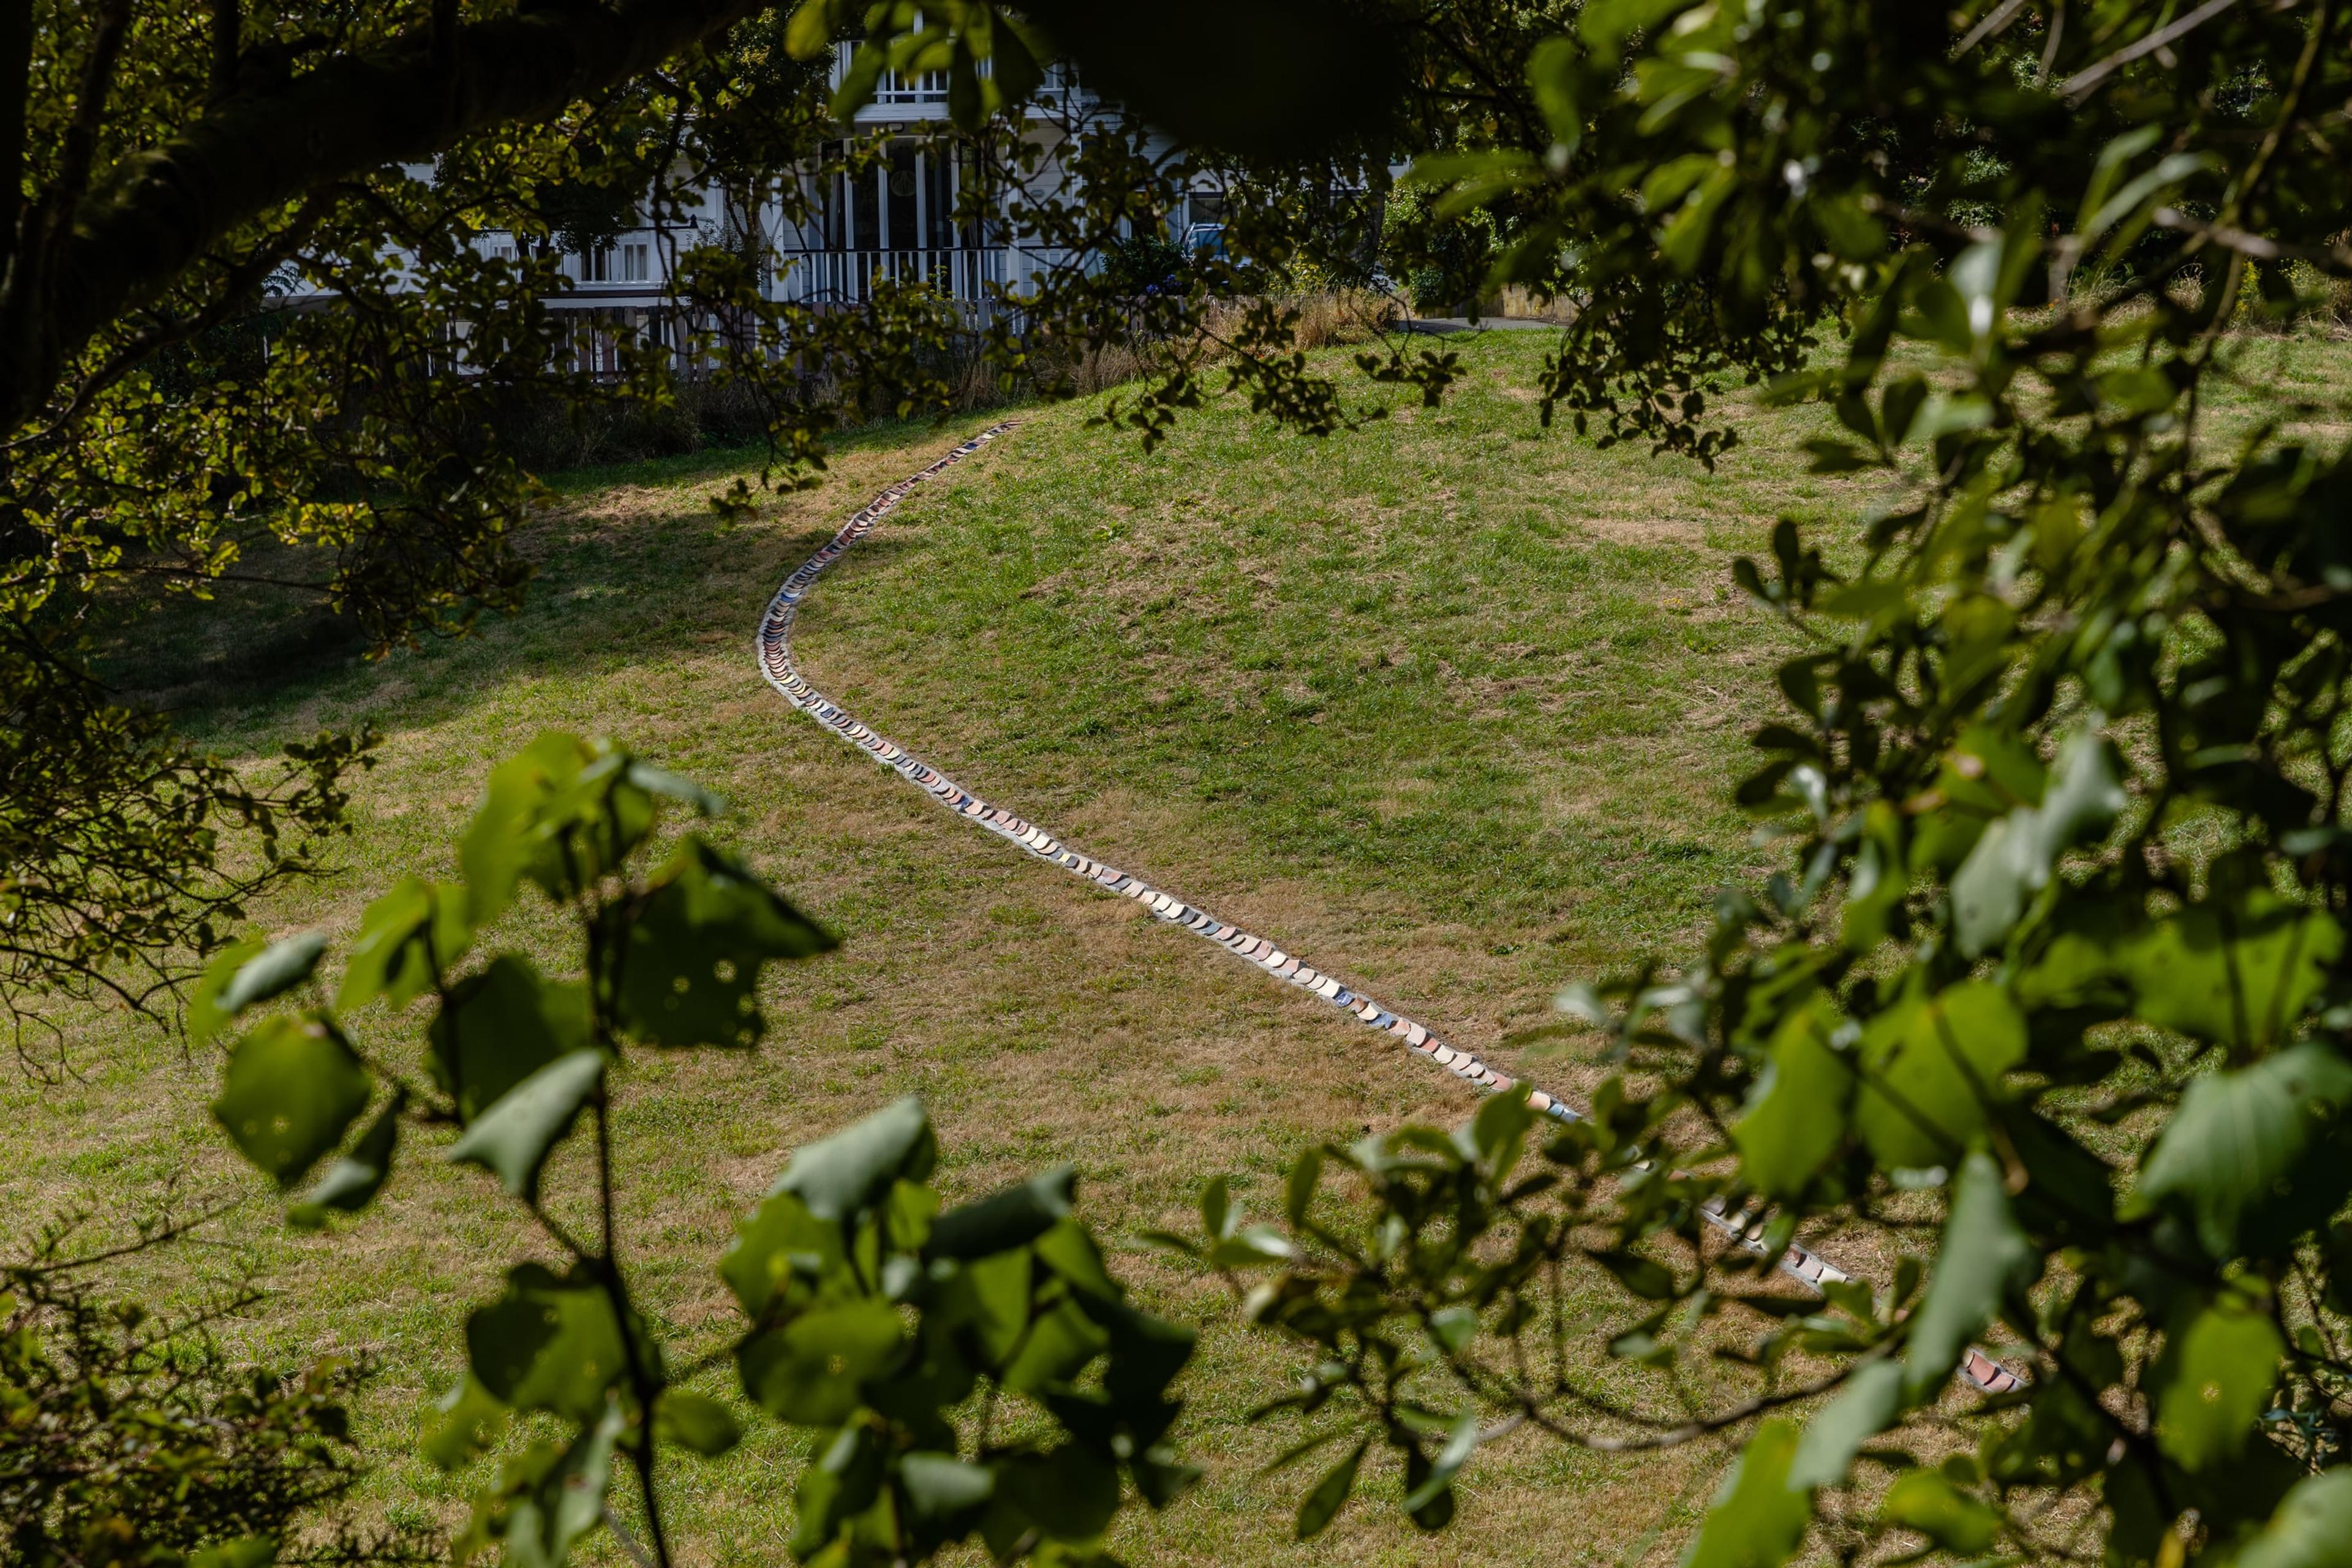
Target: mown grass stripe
{"x": 772, "y": 647}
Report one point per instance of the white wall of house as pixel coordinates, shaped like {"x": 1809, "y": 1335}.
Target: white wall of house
{"x": 895, "y": 221}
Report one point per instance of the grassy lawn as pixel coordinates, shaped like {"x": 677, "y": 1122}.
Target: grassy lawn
{"x": 1449, "y": 707}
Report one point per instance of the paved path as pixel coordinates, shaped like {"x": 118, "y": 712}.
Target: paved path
{"x": 775, "y": 656}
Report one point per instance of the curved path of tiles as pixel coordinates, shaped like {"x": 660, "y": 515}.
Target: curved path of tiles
{"x": 775, "y": 656}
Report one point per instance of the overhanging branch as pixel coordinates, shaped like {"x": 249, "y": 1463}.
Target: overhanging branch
{"x": 258, "y": 148}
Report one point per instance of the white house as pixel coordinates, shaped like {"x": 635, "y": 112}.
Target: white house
{"x": 895, "y": 220}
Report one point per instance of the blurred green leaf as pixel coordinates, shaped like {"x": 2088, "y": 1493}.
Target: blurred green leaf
{"x": 1161, "y": 1476}
{"x": 1854, "y": 235}
{"x": 813, "y": 23}
{"x": 1453, "y": 1327}
{"x": 1299, "y": 1184}
{"x": 941, "y": 1487}
{"x": 245, "y": 1552}
{"x": 562, "y": 814}
{"x": 1684, "y": 239}
{"x": 770, "y": 1241}
{"x": 1071, "y": 1253}
{"x": 1879, "y": 880}
{"x": 662, "y": 781}
{"x": 500, "y": 1027}
{"x": 1218, "y": 1217}
{"x": 1930, "y": 1069}
{"x": 2014, "y": 858}
{"x": 2240, "y": 971}
{"x": 246, "y": 974}
{"x": 1926, "y": 1501}
{"x": 687, "y": 960}
{"x": 462, "y": 1423}
{"x": 406, "y": 936}
{"x": 352, "y": 1183}
{"x": 2254, "y": 1156}
{"x": 1061, "y": 1342}
{"x": 1013, "y": 1217}
{"x": 1556, "y": 67}
{"x": 1796, "y": 1111}
{"x": 1644, "y": 1276}
{"x": 852, "y": 1170}
{"x": 1461, "y": 1443}
{"x": 844, "y": 1481}
{"x": 549, "y": 1342}
{"x": 512, "y": 1138}
{"x": 549, "y": 1497}
{"x": 1757, "y": 1517}
{"x": 1320, "y": 1506}
{"x": 1147, "y": 1353}
{"x": 808, "y": 1371}
{"x": 986, "y": 1304}
{"x": 1607, "y": 24}
{"x": 695, "y": 1422}
{"x": 1982, "y": 1258}
{"x": 1497, "y": 1134}
{"x": 293, "y": 1087}
{"x": 1866, "y": 1406}
{"x": 205, "y": 1014}
{"x": 2310, "y": 1528}
{"x": 2216, "y": 1379}
{"x": 1071, "y": 1491}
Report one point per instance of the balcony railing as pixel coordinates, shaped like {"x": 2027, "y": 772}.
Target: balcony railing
{"x": 848, "y": 276}
{"x": 928, "y": 89}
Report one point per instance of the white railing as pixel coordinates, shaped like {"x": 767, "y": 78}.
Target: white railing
{"x": 848, "y": 276}
{"x": 928, "y": 90}
{"x": 930, "y": 87}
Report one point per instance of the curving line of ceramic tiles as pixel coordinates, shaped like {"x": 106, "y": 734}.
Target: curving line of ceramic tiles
{"x": 775, "y": 657}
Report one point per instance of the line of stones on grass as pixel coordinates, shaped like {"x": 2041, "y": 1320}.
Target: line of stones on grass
{"x": 774, "y": 653}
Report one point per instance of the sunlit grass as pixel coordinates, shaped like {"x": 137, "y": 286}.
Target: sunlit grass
{"x": 1451, "y": 705}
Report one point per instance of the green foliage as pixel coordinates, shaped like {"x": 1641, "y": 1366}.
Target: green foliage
{"x": 173, "y": 425}
{"x": 128, "y": 1438}
{"x": 2051, "y": 984}
{"x": 1757, "y": 1517}
{"x": 1148, "y": 263}
{"x": 2048, "y": 994}
{"x": 899, "y": 1335}
{"x": 1006, "y": 1293}
{"x": 293, "y": 1086}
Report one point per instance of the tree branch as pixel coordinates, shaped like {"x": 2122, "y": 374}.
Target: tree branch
{"x": 90, "y": 94}
{"x": 229, "y": 43}
{"x": 161, "y": 208}
{"x": 1994, "y": 20}
{"x": 15, "y": 87}
{"x": 237, "y": 283}
{"x": 2079, "y": 85}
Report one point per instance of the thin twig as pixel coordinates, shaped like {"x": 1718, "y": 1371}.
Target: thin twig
{"x": 2080, "y": 84}
{"x": 629, "y": 1542}
{"x": 1999, "y": 16}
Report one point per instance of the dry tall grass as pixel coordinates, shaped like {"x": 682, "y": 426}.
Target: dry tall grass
{"x": 1325, "y": 318}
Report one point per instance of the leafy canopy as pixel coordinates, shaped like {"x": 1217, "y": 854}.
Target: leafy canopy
{"x": 897, "y": 1333}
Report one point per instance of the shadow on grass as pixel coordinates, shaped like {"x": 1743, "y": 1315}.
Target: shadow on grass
{"x": 653, "y": 570}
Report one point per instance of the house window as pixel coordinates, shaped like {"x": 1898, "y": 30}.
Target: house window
{"x": 866, "y": 210}
{"x": 938, "y": 198}
{"x": 635, "y": 264}
{"x": 906, "y": 225}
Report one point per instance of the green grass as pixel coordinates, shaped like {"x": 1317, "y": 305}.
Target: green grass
{"x": 1451, "y": 706}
